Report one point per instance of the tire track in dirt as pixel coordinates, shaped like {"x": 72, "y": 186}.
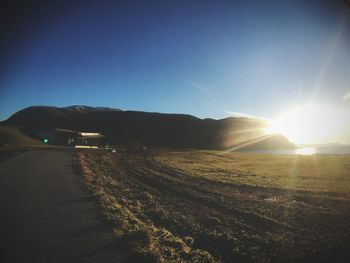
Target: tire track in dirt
{"x": 179, "y": 189}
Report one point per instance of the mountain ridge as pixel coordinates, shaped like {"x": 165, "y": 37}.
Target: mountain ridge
{"x": 150, "y": 128}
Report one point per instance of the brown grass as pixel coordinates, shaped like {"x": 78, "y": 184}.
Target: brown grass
{"x": 205, "y": 206}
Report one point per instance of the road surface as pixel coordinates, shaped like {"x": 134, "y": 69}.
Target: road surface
{"x": 47, "y": 214}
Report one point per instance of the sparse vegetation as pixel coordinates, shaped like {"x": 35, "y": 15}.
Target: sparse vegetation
{"x": 206, "y": 206}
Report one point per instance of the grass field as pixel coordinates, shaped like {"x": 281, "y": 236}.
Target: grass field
{"x": 206, "y": 206}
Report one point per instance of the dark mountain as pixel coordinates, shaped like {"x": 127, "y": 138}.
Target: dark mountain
{"x": 157, "y": 129}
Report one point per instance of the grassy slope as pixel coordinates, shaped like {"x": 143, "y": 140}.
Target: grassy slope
{"x": 12, "y": 137}
{"x": 204, "y": 206}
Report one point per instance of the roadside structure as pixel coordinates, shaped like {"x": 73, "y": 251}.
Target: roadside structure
{"x": 67, "y": 137}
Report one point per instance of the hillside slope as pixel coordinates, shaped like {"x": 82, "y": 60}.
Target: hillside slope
{"x": 13, "y": 137}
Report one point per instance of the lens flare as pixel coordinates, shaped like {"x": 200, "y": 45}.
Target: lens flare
{"x": 311, "y": 124}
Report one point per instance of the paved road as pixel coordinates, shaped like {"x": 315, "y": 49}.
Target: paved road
{"x": 46, "y": 214}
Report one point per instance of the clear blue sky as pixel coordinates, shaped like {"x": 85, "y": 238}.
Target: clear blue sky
{"x": 205, "y": 58}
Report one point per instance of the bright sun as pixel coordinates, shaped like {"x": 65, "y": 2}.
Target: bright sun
{"x": 310, "y": 124}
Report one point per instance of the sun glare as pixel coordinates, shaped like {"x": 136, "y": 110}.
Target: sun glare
{"x": 305, "y": 151}
{"x": 310, "y": 124}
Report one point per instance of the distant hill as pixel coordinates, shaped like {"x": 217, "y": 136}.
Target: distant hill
{"x": 155, "y": 129}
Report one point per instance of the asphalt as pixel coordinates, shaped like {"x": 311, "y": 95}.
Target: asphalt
{"x": 47, "y": 215}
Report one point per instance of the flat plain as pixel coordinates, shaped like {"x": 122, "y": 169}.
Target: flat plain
{"x": 212, "y": 206}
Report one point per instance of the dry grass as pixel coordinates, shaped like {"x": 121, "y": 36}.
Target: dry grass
{"x": 205, "y": 206}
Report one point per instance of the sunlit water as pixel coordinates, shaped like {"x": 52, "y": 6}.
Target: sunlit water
{"x": 332, "y": 149}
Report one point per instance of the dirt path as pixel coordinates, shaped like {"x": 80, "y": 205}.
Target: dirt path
{"x": 46, "y": 214}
